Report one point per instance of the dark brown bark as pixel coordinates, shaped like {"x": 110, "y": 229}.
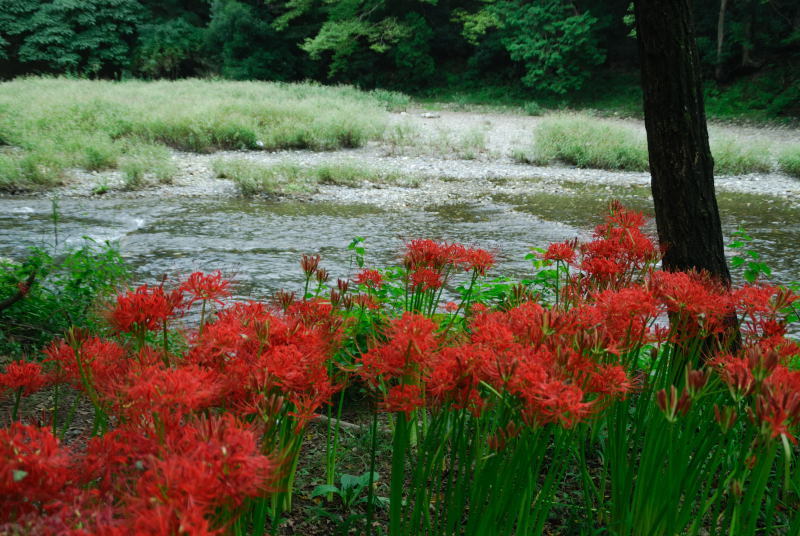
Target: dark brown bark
{"x": 681, "y": 166}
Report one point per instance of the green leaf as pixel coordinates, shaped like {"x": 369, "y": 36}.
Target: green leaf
{"x": 324, "y": 489}
{"x": 19, "y": 474}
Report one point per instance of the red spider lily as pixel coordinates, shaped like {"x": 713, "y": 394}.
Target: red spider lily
{"x": 778, "y": 404}
{"x": 477, "y": 260}
{"x": 423, "y": 253}
{"x": 206, "y": 287}
{"x": 455, "y": 375}
{"x": 170, "y": 393}
{"x": 146, "y": 308}
{"x": 34, "y": 469}
{"x": 366, "y": 301}
{"x": 403, "y": 398}
{"x": 425, "y": 279}
{"x": 204, "y": 466}
{"x": 624, "y": 314}
{"x": 451, "y": 307}
{"x": 98, "y": 365}
{"x": 561, "y": 251}
{"x": 411, "y": 341}
{"x": 693, "y": 297}
{"x": 309, "y": 264}
{"x": 369, "y": 278}
{"x": 26, "y": 376}
{"x": 736, "y": 373}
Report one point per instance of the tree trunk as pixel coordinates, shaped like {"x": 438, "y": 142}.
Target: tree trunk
{"x": 681, "y": 166}
{"x": 723, "y": 4}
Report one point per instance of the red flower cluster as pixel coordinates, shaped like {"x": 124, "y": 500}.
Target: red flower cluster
{"x": 146, "y": 308}
{"x": 183, "y": 448}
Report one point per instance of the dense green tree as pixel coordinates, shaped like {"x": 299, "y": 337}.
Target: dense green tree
{"x": 243, "y": 43}
{"x": 171, "y": 48}
{"x": 553, "y": 39}
{"x": 91, "y": 37}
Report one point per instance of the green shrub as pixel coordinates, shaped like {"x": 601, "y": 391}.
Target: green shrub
{"x": 532, "y": 108}
{"x": 589, "y": 143}
{"x": 789, "y": 161}
{"x": 64, "y": 293}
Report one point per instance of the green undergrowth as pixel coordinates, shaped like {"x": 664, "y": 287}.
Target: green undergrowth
{"x": 789, "y": 161}
{"x": 48, "y": 125}
{"x": 586, "y": 141}
{"x": 288, "y": 177}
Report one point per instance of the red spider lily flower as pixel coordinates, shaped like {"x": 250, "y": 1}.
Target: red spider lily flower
{"x": 369, "y": 278}
{"x": 146, "y": 308}
{"x": 365, "y": 301}
{"x": 170, "y": 393}
{"x": 311, "y": 312}
{"x": 736, "y": 373}
{"x": 778, "y": 404}
{"x": 625, "y": 314}
{"x": 206, "y": 287}
{"x": 403, "y": 398}
{"x": 26, "y": 376}
{"x": 451, "y": 307}
{"x": 611, "y": 380}
{"x": 477, "y": 260}
{"x": 117, "y": 456}
{"x": 694, "y": 297}
{"x": 424, "y": 253}
{"x": 620, "y": 216}
{"x": 671, "y": 405}
{"x": 410, "y": 343}
{"x": 206, "y": 465}
{"x": 309, "y": 264}
{"x": 104, "y": 364}
{"x": 284, "y": 299}
{"x": 602, "y": 269}
{"x": 425, "y": 279}
{"x": 34, "y": 469}
{"x": 561, "y": 252}
{"x": 478, "y": 309}
{"x": 455, "y": 375}
{"x": 322, "y": 275}
{"x": 555, "y": 401}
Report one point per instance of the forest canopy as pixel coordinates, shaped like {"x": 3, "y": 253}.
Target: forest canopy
{"x": 548, "y": 47}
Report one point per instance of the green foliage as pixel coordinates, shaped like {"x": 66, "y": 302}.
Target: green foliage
{"x": 91, "y": 37}
{"x": 747, "y": 259}
{"x": 64, "y": 293}
{"x": 243, "y": 43}
{"x": 557, "y": 45}
{"x": 168, "y": 49}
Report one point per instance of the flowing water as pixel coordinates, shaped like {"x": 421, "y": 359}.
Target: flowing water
{"x": 259, "y": 242}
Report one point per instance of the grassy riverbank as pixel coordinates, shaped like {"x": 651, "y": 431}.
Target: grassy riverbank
{"x": 49, "y": 125}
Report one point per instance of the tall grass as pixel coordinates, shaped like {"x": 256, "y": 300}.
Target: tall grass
{"x": 789, "y": 160}
{"x": 56, "y": 123}
{"x": 286, "y": 177}
{"x": 589, "y": 142}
